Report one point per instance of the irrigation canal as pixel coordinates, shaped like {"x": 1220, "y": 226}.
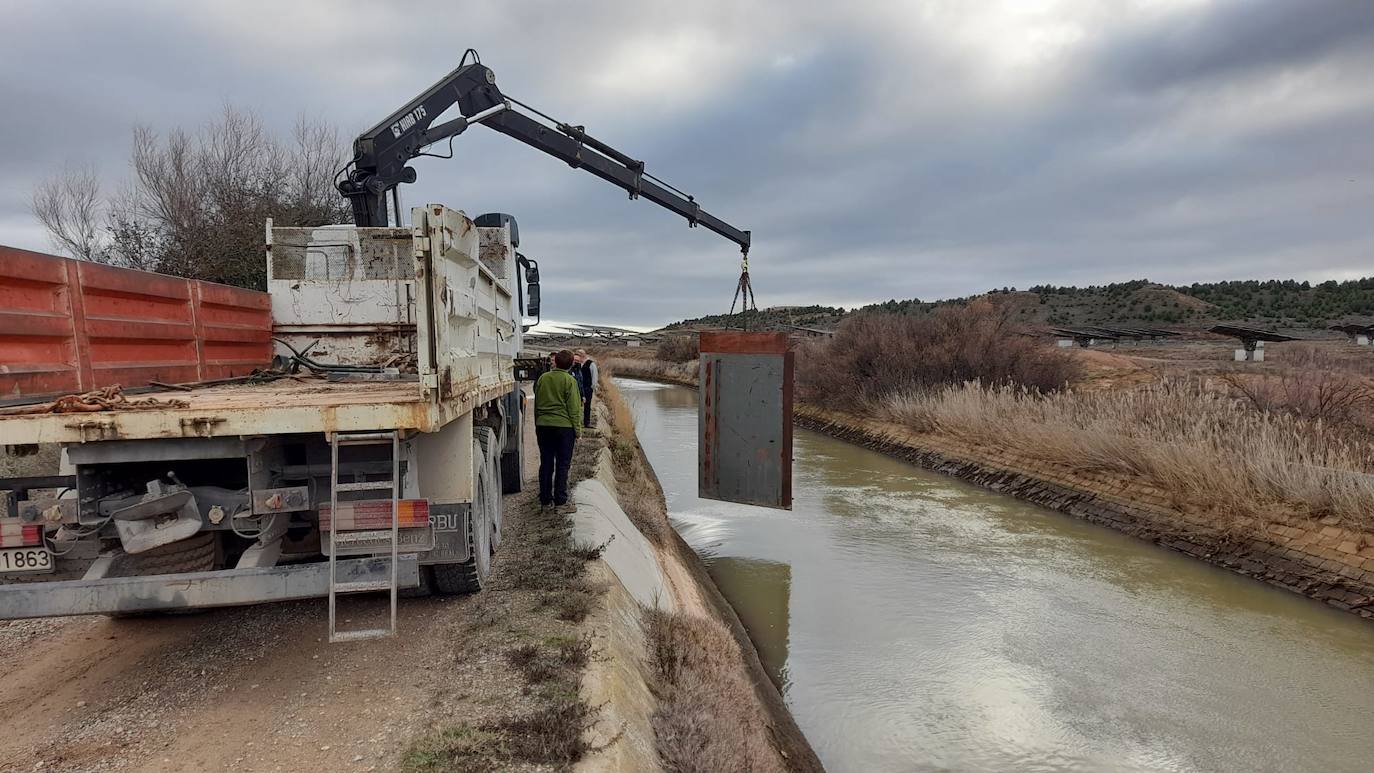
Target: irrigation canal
{"x": 915, "y": 622}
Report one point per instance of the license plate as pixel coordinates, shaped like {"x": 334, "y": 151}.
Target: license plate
{"x": 407, "y": 541}
{"x": 16, "y": 560}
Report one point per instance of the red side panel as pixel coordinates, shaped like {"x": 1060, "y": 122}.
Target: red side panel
{"x": 73, "y": 326}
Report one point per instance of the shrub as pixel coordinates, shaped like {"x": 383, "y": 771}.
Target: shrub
{"x": 1314, "y": 384}
{"x": 873, "y": 356}
{"x": 678, "y": 348}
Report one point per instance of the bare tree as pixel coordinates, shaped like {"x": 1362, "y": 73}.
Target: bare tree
{"x": 197, "y": 201}
{"x": 317, "y": 158}
{"x": 69, "y": 206}
{"x": 1313, "y": 385}
{"x": 210, "y": 193}
{"x": 132, "y": 239}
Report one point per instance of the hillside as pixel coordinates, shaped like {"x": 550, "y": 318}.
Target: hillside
{"x": 1271, "y": 303}
{"x": 773, "y": 318}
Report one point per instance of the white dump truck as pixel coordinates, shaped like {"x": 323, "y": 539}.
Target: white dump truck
{"x": 371, "y": 454}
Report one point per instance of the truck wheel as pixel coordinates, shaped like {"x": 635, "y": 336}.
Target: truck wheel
{"x": 193, "y": 554}
{"x": 471, "y": 575}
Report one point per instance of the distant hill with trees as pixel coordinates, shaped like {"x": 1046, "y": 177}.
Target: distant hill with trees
{"x": 1271, "y": 303}
{"x": 1274, "y": 303}
{"x": 772, "y": 318}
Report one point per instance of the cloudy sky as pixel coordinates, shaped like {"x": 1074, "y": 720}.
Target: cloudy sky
{"x": 927, "y": 148}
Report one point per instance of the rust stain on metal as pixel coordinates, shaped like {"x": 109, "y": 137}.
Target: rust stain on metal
{"x": 740, "y": 342}
{"x": 708, "y": 391}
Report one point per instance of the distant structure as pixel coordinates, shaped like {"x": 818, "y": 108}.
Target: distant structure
{"x": 811, "y": 332}
{"x": 1088, "y": 336}
{"x": 1252, "y": 340}
{"x": 1358, "y": 334}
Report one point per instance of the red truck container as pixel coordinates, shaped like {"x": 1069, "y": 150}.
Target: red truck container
{"x": 70, "y": 326}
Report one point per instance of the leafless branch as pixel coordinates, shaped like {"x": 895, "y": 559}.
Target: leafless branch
{"x": 69, "y": 206}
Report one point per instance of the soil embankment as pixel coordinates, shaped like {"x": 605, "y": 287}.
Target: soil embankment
{"x": 1319, "y": 558}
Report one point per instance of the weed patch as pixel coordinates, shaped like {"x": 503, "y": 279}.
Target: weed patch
{"x": 640, "y": 496}
{"x": 551, "y": 735}
{"x": 707, "y": 719}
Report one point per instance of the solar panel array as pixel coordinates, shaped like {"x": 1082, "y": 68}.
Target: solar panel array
{"x": 1251, "y": 334}
{"x": 1354, "y": 329}
{"x": 1116, "y": 333}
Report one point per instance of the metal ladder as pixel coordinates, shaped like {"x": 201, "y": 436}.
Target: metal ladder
{"x": 337, "y": 538}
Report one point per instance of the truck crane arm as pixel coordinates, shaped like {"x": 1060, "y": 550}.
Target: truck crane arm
{"x": 382, "y": 153}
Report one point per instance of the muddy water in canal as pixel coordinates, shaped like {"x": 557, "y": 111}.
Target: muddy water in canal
{"x": 915, "y": 622}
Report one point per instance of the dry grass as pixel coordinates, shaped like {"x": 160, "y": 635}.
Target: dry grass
{"x": 1207, "y": 450}
{"x": 639, "y": 493}
{"x": 558, "y": 657}
{"x": 684, "y": 373}
{"x": 708, "y": 719}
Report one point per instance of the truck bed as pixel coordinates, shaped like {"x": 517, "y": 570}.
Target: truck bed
{"x": 285, "y": 406}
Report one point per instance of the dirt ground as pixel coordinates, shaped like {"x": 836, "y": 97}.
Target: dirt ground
{"x": 259, "y": 688}
{"x": 1128, "y": 365}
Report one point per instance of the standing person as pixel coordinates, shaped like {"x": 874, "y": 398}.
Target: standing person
{"x": 588, "y": 383}
{"x": 576, "y": 371}
{"x": 557, "y": 413}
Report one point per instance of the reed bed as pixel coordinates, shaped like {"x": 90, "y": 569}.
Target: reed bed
{"x": 1206, "y": 449}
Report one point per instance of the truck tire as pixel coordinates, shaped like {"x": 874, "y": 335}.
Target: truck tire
{"x": 471, "y": 575}
{"x": 193, "y": 554}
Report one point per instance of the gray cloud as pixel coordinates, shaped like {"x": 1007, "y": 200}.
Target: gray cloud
{"x": 893, "y": 150}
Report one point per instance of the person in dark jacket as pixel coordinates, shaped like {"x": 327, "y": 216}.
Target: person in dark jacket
{"x": 586, "y": 368}
{"x": 557, "y": 417}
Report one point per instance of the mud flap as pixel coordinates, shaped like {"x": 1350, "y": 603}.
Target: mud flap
{"x": 451, "y": 524}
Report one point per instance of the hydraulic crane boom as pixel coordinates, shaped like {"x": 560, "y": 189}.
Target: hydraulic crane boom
{"x": 382, "y": 153}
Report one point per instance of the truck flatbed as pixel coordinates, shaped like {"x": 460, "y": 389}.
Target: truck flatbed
{"x": 287, "y": 405}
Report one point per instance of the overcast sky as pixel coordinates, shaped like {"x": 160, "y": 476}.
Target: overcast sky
{"x": 877, "y": 150}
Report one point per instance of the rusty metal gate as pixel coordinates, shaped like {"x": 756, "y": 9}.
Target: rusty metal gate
{"x": 745, "y": 419}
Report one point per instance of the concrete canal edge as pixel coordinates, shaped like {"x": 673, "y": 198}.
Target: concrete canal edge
{"x": 631, "y": 731}
{"x": 1320, "y": 559}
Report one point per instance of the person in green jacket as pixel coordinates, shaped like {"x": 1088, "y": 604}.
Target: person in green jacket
{"x": 557, "y": 417}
